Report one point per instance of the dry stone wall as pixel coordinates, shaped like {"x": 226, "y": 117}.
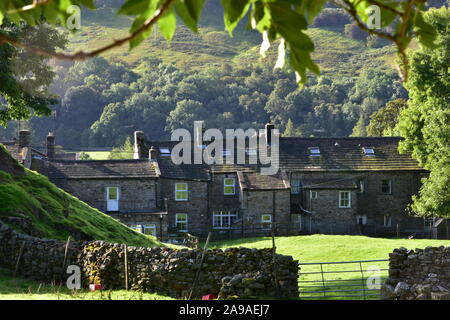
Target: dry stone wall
{"x": 420, "y": 274}
{"x": 163, "y": 270}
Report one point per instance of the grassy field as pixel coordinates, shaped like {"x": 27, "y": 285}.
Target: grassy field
{"x": 331, "y": 248}
{"x": 55, "y": 213}
{"x": 98, "y": 155}
{"x": 20, "y": 289}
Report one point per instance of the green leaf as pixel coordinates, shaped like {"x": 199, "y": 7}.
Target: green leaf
{"x": 136, "y": 7}
{"x": 189, "y": 11}
{"x": 234, "y": 11}
{"x": 167, "y": 24}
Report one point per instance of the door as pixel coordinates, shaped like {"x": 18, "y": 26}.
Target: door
{"x": 112, "y": 196}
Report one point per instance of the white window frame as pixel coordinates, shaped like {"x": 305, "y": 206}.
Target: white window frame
{"x": 177, "y": 221}
{"x": 349, "y": 199}
{"x": 224, "y": 218}
{"x": 263, "y": 222}
{"x": 295, "y": 186}
{"x": 363, "y": 217}
{"x": 361, "y": 185}
{"x": 313, "y": 194}
{"x": 136, "y": 227}
{"x": 181, "y": 190}
{"x": 225, "y": 185}
{"x": 390, "y": 186}
{"x": 151, "y": 226}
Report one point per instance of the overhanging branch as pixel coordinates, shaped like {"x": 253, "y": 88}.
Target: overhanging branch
{"x": 81, "y": 55}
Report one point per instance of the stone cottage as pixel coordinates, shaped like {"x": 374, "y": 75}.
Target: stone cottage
{"x": 323, "y": 185}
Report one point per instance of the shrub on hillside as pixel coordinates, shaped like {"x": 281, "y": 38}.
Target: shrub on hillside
{"x": 353, "y": 31}
{"x": 332, "y": 17}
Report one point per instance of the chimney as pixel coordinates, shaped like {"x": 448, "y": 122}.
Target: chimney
{"x": 153, "y": 154}
{"x": 50, "y": 145}
{"x": 24, "y": 138}
{"x": 139, "y": 142}
{"x": 269, "y": 133}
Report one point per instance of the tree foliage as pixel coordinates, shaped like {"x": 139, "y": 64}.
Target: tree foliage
{"x": 383, "y": 122}
{"x": 425, "y": 122}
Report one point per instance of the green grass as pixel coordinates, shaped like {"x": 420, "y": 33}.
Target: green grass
{"x": 331, "y": 248}
{"x": 55, "y": 213}
{"x": 336, "y": 54}
{"x": 98, "y": 155}
{"x": 20, "y": 289}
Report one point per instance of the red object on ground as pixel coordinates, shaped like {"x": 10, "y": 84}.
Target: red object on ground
{"x": 95, "y": 287}
{"x": 209, "y": 297}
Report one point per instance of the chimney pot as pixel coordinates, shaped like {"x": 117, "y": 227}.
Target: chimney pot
{"x": 50, "y": 145}
{"x": 153, "y": 154}
{"x": 24, "y": 138}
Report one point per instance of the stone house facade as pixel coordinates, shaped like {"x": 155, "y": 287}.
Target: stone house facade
{"x": 323, "y": 185}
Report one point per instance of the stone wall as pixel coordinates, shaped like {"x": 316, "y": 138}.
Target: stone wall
{"x": 420, "y": 274}
{"x": 163, "y": 270}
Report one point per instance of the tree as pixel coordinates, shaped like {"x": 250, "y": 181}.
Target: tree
{"x": 425, "y": 122}
{"x": 24, "y": 77}
{"x": 285, "y": 20}
{"x": 290, "y": 130}
{"x": 125, "y": 151}
{"x": 383, "y": 122}
{"x": 359, "y": 130}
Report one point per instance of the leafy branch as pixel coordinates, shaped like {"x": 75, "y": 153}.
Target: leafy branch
{"x": 81, "y": 55}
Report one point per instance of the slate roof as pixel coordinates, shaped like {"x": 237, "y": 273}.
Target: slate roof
{"x": 344, "y": 154}
{"x": 170, "y": 170}
{"x": 336, "y": 154}
{"x": 257, "y": 181}
{"x": 14, "y": 149}
{"x": 346, "y": 183}
{"x": 98, "y": 169}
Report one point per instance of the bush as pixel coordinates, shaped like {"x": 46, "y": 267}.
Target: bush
{"x": 332, "y": 17}
{"x": 354, "y": 32}
{"x": 376, "y": 42}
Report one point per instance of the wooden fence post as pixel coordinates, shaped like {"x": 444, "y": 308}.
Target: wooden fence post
{"x": 126, "y": 266}
{"x": 197, "y": 276}
{"x": 398, "y": 230}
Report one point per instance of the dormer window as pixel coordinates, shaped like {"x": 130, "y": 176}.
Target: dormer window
{"x": 314, "y": 151}
{"x": 164, "y": 151}
{"x": 368, "y": 151}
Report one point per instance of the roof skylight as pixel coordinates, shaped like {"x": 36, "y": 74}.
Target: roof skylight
{"x": 314, "y": 151}
{"x": 368, "y": 151}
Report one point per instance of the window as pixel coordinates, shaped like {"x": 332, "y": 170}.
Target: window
{"x": 229, "y": 186}
{"x": 181, "y": 191}
{"x": 296, "y": 222}
{"x": 314, "y": 151}
{"x": 181, "y": 222}
{"x": 136, "y": 227}
{"x": 361, "y": 185}
{"x": 251, "y": 151}
{"x": 164, "y": 151}
{"x": 361, "y": 219}
{"x": 368, "y": 151}
{"x": 149, "y": 229}
{"x": 223, "y": 219}
{"x": 266, "y": 222}
{"x": 226, "y": 152}
{"x": 113, "y": 193}
{"x": 386, "y": 186}
{"x": 344, "y": 199}
{"x": 387, "y": 220}
{"x": 295, "y": 186}
{"x": 313, "y": 194}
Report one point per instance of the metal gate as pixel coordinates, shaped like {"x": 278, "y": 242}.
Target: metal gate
{"x": 345, "y": 280}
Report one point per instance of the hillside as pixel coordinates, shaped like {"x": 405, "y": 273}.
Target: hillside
{"x": 337, "y": 54}
{"x": 31, "y": 204}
